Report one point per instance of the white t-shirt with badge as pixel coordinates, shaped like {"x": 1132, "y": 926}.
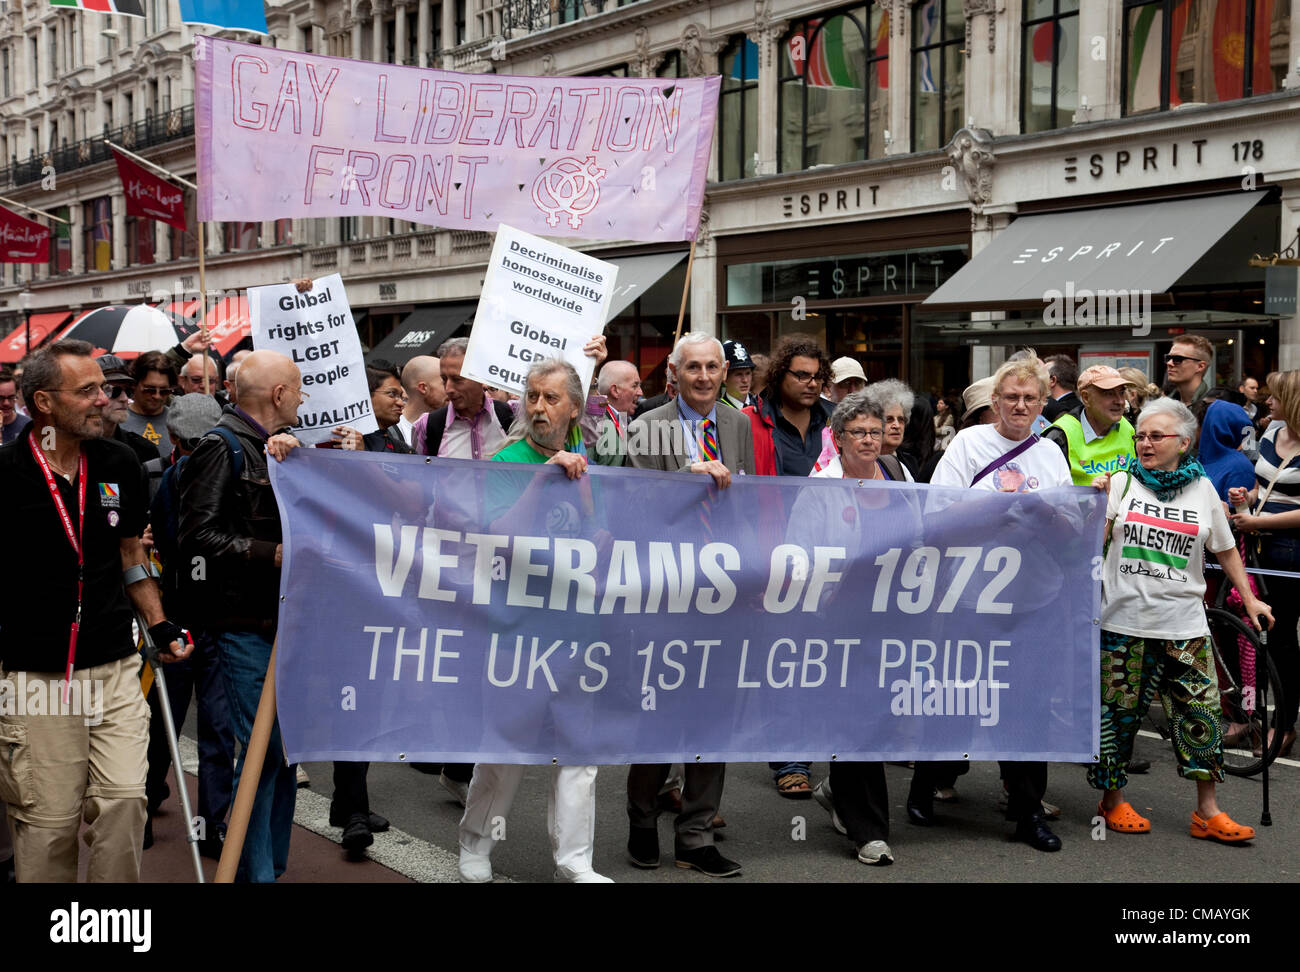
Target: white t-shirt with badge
{"x": 1153, "y": 581}
{"x": 1041, "y": 466}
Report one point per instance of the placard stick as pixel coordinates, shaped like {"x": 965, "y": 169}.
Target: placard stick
{"x": 686, "y": 289}
{"x": 203, "y": 304}
{"x": 254, "y": 757}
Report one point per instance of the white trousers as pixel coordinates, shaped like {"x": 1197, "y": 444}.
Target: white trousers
{"x": 570, "y": 812}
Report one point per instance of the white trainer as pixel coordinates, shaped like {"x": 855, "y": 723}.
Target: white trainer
{"x": 475, "y": 868}
{"x": 875, "y": 852}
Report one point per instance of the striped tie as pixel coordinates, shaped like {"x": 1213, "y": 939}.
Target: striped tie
{"x": 708, "y": 441}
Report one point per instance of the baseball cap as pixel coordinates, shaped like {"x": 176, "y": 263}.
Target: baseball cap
{"x": 114, "y": 368}
{"x": 845, "y": 368}
{"x": 736, "y": 355}
{"x": 978, "y": 395}
{"x": 190, "y": 416}
{"x": 1101, "y": 376}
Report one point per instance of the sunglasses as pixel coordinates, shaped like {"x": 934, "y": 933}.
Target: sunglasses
{"x": 1180, "y": 358}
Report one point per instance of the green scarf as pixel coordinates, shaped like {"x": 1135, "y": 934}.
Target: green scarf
{"x": 1166, "y": 483}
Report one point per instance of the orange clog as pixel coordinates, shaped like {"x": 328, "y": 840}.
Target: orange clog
{"x": 1123, "y": 819}
{"x": 1220, "y": 827}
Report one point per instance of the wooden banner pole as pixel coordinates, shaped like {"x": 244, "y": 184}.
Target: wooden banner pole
{"x": 203, "y": 302}
{"x": 32, "y": 209}
{"x": 254, "y": 758}
{"x": 686, "y": 289}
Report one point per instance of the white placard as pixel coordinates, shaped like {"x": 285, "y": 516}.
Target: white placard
{"x": 539, "y": 300}
{"x": 316, "y": 330}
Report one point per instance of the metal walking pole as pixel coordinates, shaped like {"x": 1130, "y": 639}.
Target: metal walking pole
{"x": 1261, "y": 701}
{"x": 173, "y": 744}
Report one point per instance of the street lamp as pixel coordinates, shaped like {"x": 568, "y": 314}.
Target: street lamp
{"x": 25, "y": 302}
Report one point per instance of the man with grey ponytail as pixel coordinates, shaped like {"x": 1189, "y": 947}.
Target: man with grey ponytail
{"x": 543, "y": 432}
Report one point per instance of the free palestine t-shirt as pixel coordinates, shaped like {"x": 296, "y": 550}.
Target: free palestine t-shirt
{"x": 1154, "y": 578}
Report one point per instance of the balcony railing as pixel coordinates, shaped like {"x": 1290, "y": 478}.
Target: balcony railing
{"x": 520, "y": 17}
{"x": 154, "y": 130}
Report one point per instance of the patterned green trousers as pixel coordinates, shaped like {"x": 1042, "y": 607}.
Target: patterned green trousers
{"x": 1132, "y": 671}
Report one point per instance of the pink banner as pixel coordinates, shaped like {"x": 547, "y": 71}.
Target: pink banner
{"x": 283, "y": 134}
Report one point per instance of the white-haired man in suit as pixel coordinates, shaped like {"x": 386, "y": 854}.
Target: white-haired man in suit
{"x": 690, "y": 434}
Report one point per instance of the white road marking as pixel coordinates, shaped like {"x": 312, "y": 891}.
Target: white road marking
{"x": 396, "y": 850}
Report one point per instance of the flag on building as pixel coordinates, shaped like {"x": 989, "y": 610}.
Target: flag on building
{"x": 931, "y": 33}
{"x": 882, "y": 51}
{"x": 231, "y": 14}
{"x": 818, "y": 54}
{"x": 132, "y": 8}
{"x": 149, "y": 197}
{"x": 22, "y": 240}
{"x": 1229, "y": 49}
{"x": 744, "y": 65}
{"x": 101, "y": 232}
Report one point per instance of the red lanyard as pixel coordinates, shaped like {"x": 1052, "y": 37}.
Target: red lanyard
{"x": 613, "y": 416}
{"x": 66, "y": 520}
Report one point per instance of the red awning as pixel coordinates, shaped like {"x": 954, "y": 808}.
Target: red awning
{"x": 14, "y": 346}
{"x": 229, "y": 323}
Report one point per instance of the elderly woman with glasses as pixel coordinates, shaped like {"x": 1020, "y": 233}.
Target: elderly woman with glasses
{"x": 1161, "y": 516}
{"x": 855, "y": 794}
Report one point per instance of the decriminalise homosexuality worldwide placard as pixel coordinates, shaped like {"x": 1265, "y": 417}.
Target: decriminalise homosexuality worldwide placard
{"x": 281, "y": 133}
{"x": 443, "y": 610}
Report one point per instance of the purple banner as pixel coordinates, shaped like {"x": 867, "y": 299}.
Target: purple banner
{"x": 446, "y": 610}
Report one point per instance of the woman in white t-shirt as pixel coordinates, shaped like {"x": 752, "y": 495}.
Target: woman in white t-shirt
{"x": 1161, "y": 516}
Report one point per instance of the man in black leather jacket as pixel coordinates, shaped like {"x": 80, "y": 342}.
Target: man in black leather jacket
{"x": 230, "y": 540}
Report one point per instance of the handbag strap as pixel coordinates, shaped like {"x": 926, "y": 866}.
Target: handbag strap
{"x": 1006, "y": 457}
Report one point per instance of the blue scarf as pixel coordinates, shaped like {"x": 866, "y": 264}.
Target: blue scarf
{"x": 1166, "y": 483}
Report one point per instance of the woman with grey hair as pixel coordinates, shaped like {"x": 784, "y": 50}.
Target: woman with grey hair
{"x": 895, "y": 401}
{"x": 1161, "y": 515}
{"x": 855, "y": 794}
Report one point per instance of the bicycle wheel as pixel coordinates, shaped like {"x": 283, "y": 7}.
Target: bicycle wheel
{"x": 1249, "y": 692}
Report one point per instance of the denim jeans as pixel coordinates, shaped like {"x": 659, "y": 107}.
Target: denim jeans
{"x": 780, "y": 769}
{"x": 244, "y": 657}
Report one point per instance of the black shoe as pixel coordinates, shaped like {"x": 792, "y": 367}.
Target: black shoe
{"x": 211, "y": 846}
{"x": 356, "y": 835}
{"x": 148, "y": 833}
{"x": 1139, "y": 765}
{"x": 921, "y": 813}
{"x": 643, "y": 847}
{"x": 1035, "y": 832}
{"x": 338, "y": 818}
{"x": 708, "y": 860}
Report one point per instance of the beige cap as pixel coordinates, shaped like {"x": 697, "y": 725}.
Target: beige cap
{"x": 1101, "y": 376}
{"x": 979, "y": 395}
{"x": 845, "y": 368}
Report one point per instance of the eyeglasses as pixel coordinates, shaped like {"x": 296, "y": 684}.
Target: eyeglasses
{"x": 394, "y": 395}
{"x": 8, "y": 398}
{"x": 1180, "y": 358}
{"x": 1014, "y": 400}
{"x": 860, "y": 434}
{"x": 151, "y": 390}
{"x": 1155, "y": 437}
{"x": 804, "y": 377}
{"x": 88, "y": 392}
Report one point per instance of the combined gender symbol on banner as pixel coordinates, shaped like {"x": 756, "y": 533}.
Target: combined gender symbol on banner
{"x": 282, "y": 133}
{"x": 478, "y": 611}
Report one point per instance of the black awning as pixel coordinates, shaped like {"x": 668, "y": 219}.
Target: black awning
{"x": 1121, "y": 248}
{"x": 422, "y": 331}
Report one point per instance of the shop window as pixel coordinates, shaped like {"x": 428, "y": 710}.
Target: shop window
{"x": 834, "y": 89}
{"x": 97, "y": 233}
{"x": 240, "y": 236}
{"x": 671, "y": 66}
{"x": 938, "y": 73}
{"x": 60, "y": 242}
{"x": 185, "y": 243}
{"x": 1185, "y": 52}
{"x": 139, "y": 241}
{"x": 283, "y": 232}
{"x": 738, "y": 109}
{"x": 1049, "y": 64}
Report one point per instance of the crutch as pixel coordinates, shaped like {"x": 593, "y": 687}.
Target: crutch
{"x": 173, "y": 743}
